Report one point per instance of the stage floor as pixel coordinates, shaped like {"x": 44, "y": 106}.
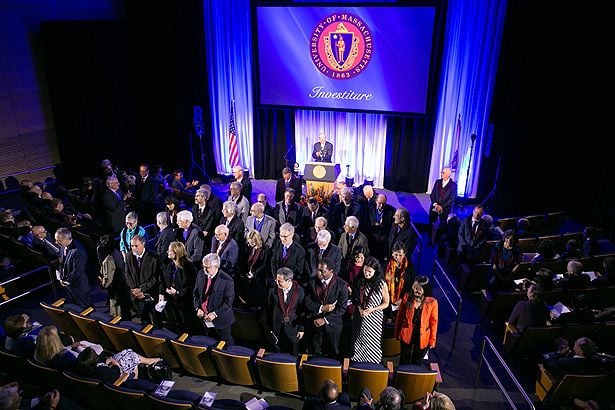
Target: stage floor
{"x": 416, "y": 203}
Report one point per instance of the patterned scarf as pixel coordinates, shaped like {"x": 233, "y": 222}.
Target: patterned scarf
{"x": 394, "y": 277}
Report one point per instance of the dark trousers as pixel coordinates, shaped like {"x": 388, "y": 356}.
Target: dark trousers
{"x": 145, "y": 310}
{"x": 222, "y": 333}
{"x": 411, "y": 353}
{"x": 285, "y": 344}
{"x": 79, "y": 297}
{"x": 326, "y": 341}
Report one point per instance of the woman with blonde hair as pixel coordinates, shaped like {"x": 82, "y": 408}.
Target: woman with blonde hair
{"x": 253, "y": 277}
{"x": 50, "y": 350}
{"x": 176, "y": 285}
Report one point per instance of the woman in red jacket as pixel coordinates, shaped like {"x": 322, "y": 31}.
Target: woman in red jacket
{"x": 416, "y": 325}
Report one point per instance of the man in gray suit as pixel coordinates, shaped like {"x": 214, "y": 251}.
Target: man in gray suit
{"x": 226, "y": 248}
{"x": 263, "y": 224}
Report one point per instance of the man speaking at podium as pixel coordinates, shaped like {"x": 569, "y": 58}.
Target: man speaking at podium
{"x": 323, "y": 149}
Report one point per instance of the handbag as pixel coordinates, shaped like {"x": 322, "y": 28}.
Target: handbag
{"x": 156, "y": 372}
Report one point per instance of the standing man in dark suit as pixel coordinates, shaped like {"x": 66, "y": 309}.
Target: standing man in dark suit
{"x": 323, "y": 149}
{"x": 206, "y": 217}
{"x": 323, "y": 248}
{"x": 287, "y": 210}
{"x": 443, "y": 195}
{"x": 246, "y": 185}
{"x": 213, "y": 297}
{"x": 402, "y": 231}
{"x": 73, "y": 274}
{"x": 191, "y": 236}
{"x": 165, "y": 236}
{"x": 288, "y": 180}
{"x": 380, "y": 221}
{"x": 326, "y": 301}
{"x": 288, "y": 254}
{"x": 142, "y": 273}
{"x": 114, "y": 205}
{"x": 226, "y": 248}
{"x": 286, "y": 304}
{"x": 146, "y": 193}
{"x": 308, "y": 217}
{"x": 342, "y": 210}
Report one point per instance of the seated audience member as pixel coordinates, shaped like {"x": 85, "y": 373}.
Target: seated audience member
{"x": 11, "y": 399}
{"x": 50, "y": 350}
{"x": 591, "y": 246}
{"x": 329, "y": 398}
{"x": 531, "y": 312}
{"x": 107, "y": 367}
{"x": 42, "y": 241}
{"x": 18, "y": 341}
{"x": 574, "y": 277}
{"x": 7, "y": 269}
{"x": 505, "y": 259}
{"x": 522, "y": 228}
{"x": 577, "y": 361}
{"x": 580, "y": 312}
{"x": 180, "y": 183}
{"x": 391, "y": 399}
{"x": 572, "y": 250}
{"x": 492, "y": 233}
{"x": 11, "y": 227}
{"x": 435, "y": 401}
{"x": 544, "y": 278}
{"x": 607, "y": 276}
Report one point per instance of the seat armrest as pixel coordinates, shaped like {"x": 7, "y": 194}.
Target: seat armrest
{"x": 87, "y": 311}
{"x": 58, "y": 302}
{"x": 183, "y": 337}
{"x": 303, "y": 358}
{"x": 546, "y": 379}
{"x": 120, "y": 380}
{"x": 116, "y": 320}
{"x": 220, "y": 345}
{"x": 147, "y": 329}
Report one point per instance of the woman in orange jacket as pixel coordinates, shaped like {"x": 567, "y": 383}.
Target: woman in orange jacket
{"x": 416, "y": 325}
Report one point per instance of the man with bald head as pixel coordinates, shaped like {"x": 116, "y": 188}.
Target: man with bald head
{"x": 443, "y": 195}
{"x": 323, "y": 149}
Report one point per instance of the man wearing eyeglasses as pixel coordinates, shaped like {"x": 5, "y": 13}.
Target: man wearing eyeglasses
{"x": 287, "y": 253}
{"x": 285, "y": 302}
{"x": 213, "y": 297}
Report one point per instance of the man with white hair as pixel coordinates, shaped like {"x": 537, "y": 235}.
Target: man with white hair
{"x": 352, "y": 238}
{"x": 323, "y": 248}
{"x": 246, "y": 185}
{"x": 213, "y": 297}
{"x": 226, "y": 248}
{"x": 73, "y": 262}
{"x": 113, "y": 202}
{"x": 342, "y": 210}
{"x": 190, "y": 235}
{"x": 288, "y": 253}
{"x": 261, "y": 223}
{"x": 165, "y": 236}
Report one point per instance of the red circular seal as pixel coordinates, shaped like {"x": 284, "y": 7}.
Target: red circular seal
{"x": 341, "y": 46}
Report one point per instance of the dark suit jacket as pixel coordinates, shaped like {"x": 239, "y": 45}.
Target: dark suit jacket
{"x": 296, "y": 314}
{"x": 184, "y": 282}
{"x": 194, "y": 243}
{"x": 295, "y": 260}
{"x": 293, "y": 216}
{"x": 445, "y": 197}
{"x": 332, "y": 253}
{"x": 327, "y": 152}
{"x": 42, "y": 247}
{"x": 147, "y": 191}
{"x": 339, "y": 214}
{"x": 406, "y": 235}
{"x": 236, "y": 229}
{"x": 338, "y": 293}
{"x": 347, "y": 249}
{"x": 145, "y": 277}
{"x": 114, "y": 210}
{"x": 572, "y": 365}
{"x": 220, "y": 298}
{"x": 529, "y": 313}
{"x": 208, "y": 219}
{"x": 306, "y": 218}
{"x": 246, "y": 188}
{"x": 73, "y": 267}
{"x": 470, "y": 244}
{"x": 229, "y": 255}
{"x": 165, "y": 237}
{"x": 280, "y": 187}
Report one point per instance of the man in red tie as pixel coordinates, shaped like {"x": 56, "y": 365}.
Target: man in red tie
{"x": 213, "y": 297}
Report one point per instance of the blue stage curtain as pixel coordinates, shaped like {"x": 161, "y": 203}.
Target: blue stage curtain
{"x": 228, "y": 41}
{"x": 469, "y": 65}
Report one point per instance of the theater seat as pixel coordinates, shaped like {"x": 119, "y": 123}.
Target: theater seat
{"x": 277, "y": 371}
{"x": 88, "y": 322}
{"x": 84, "y": 390}
{"x": 155, "y": 343}
{"x": 235, "y": 364}
{"x": 58, "y": 312}
{"x": 371, "y": 375}
{"x": 120, "y": 334}
{"x": 415, "y": 381}
{"x": 314, "y": 371}
{"x": 194, "y": 354}
{"x": 553, "y": 392}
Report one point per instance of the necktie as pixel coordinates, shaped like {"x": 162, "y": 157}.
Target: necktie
{"x": 258, "y": 224}
{"x": 313, "y": 216}
{"x": 322, "y": 251}
{"x": 143, "y": 179}
{"x": 139, "y": 261}
{"x": 474, "y": 225}
{"x": 118, "y": 194}
{"x": 185, "y": 234}
{"x": 286, "y": 292}
{"x": 204, "y": 305}
{"x": 284, "y": 252}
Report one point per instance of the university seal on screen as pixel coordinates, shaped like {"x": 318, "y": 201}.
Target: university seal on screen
{"x": 341, "y": 46}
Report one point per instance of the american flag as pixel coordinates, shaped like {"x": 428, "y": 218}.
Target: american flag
{"x": 455, "y": 159}
{"x": 233, "y": 147}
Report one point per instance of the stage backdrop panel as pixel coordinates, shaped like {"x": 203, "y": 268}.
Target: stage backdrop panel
{"x": 374, "y": 58}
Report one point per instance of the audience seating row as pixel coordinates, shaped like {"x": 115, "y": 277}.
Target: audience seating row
{"x": 531, "y": 245}
{"x": 552, "y": 392}
{"x": 541, "y": 224}
{"x": 205, "y": 357}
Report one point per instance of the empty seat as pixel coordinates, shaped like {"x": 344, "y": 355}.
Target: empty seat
{"x": 315, "y": 370}
{"x": 194, "y": 354}
{"x": 155, "y": 343}
{"x": 371, "y": 375}
{"x": 415, "y": 381}
{"x": 277, "y": 371}
{"x": 235, "y": 364}
{"x": 120, "y": 334}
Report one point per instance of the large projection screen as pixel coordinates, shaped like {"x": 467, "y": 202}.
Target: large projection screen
{"x": 368, "y": 58}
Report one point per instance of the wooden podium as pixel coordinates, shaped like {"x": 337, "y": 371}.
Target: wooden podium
{"x": 320, "y": 178}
